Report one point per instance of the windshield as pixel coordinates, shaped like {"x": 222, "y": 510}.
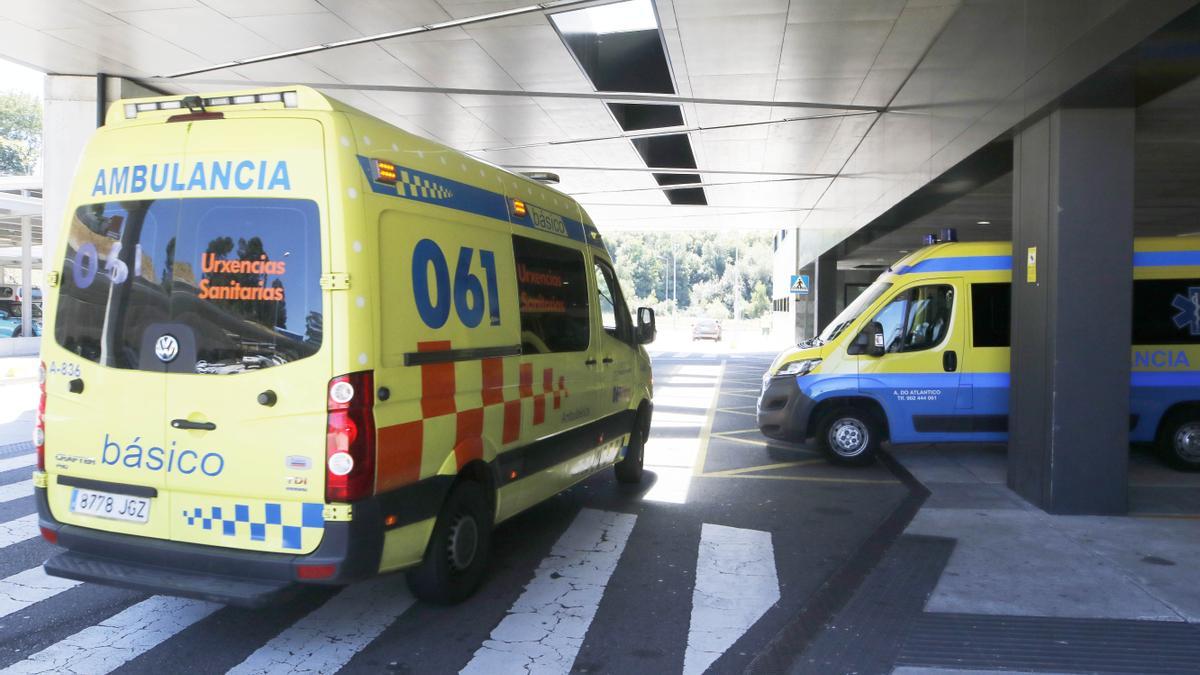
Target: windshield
{"x": 235, "y": 282}
{"x": 853, "y": 310}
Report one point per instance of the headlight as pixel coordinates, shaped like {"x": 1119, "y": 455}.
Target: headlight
{"x": 798, "y": 368}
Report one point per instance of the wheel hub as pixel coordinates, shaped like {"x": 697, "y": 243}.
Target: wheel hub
{"x": 462, "y": 542}
{"x": 1187, "y": 442}
{"x": 848, "y": 437}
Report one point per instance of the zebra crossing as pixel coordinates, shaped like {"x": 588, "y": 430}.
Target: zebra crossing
{"x": 570, "y": 589}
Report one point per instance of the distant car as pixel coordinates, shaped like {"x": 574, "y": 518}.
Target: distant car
{"x": 10, "y": 321}
{"x": 707, "y": 329}
{"x": 14, "y": 293}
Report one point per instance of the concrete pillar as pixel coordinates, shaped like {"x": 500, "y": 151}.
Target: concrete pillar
{"x": 804, "y": 305}
{"x": 825, "y": 287}
{"x": 71, "y": 112}
{"x": 26, "y": 273}
{"x": 1071, "y": 311}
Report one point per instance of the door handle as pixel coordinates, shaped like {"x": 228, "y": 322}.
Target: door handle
{"x": 950, "y": 361}
{"x": 188, "y": 424}
{"x": 590, "y": 362}
{"x": 607, "y": 359}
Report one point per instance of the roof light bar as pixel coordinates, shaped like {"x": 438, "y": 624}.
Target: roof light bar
{"x": 289, "y": 99}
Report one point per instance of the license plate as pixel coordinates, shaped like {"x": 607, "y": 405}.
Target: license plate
{"x": 109, "y": 505}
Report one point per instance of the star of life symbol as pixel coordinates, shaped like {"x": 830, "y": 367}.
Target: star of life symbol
{"x": 1189, "y": 310}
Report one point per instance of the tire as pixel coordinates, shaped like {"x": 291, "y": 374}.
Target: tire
{"x": 447, "y": 576}
{"x": 629, "y": 470}
{"x": 849, "y": 436}
{"x": 1179, "y": 440}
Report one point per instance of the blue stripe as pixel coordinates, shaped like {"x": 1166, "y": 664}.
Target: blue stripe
{"x": 1186, "y": 378}
{"x": 463, "y": 197}
{"x": 1165, "y": 258}
{"x": 975, "y": 263}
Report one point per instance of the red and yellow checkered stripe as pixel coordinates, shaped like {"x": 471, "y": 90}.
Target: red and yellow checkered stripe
{"x": 401, "y": 446}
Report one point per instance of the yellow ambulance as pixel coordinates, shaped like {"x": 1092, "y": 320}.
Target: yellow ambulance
{"x": 288, "y": 343}
{"x": 922, "y": 356}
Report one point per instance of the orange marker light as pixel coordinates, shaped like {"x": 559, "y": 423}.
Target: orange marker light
{"x": 518, "y": 208}
{"x": 512, "y": 475}
{"x": 385, "y": 172}
{"x": 390, "y": 521}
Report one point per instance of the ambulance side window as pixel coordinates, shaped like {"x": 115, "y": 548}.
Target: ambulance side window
{"x": 990, "y": 314}
{"x": 614, "y": 315}
{"x": 553, "y": 295}
{"x": 1166, "y": 311}
{"x": 917, "y": 319}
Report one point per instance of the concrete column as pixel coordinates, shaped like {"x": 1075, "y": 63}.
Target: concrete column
{"x": 825, "y": 288}
{"x": 71, "y": 112}
{"x": 1071, "y": 311}
{"x": 805, "y": 306}
{"x": 26, "y": 273}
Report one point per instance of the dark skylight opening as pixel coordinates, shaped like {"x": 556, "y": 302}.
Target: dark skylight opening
{"x": 619, "y": 47}
{"x": 640, "y": 116}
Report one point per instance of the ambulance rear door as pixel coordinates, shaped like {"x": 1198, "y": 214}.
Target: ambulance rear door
{"x": 245, "y": 411}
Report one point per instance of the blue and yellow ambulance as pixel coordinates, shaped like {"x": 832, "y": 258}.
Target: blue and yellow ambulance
{"x": 287, "y": 342}
{"x": 922, "y": 355}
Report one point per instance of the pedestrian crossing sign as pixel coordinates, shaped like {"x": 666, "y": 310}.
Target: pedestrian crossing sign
{"x": 800, "y": 284}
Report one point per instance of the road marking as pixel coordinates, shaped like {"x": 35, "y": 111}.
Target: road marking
{"x": 675, "y": 461}
{"x": 764, "y": 467}
{"x": 809, "y": 479}
{"x": 18, "y": 530}
{"x": 737, "y": 412}
{"x": 10, "y": 463}
{"x": 736, "y": 583}
{"x": 30, "y": 587}
{"x": 328, "y": 637}
{"x": 118, "y": 639}
{"x": 546, "y": 626}
{"x": 23, "y": 488}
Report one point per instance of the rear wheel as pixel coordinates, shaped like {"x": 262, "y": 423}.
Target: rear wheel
{"x": 1179, "y": 440}
{"x": 456, "y": 558}
{"x": 629, "y": 469}
{"x": 849, "y": 436}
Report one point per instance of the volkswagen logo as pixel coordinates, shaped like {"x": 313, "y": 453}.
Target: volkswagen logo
{"x": 166, "y": 348}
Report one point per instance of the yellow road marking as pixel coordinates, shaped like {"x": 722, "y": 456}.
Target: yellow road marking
{"x": 764, "y": 467}
{"x": 736, "y": 412}
{"x": 706, "y": 430}
{"x": 809, "y": 479}
{"x": 764, "y": 444}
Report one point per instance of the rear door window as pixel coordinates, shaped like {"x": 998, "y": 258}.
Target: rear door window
{"x": 236, "y": 281}
{"x": 1166, "y": 311}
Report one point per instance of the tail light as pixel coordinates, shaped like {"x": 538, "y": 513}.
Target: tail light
{"x": 39, "y": 428}
{"x": 350, "y": 438}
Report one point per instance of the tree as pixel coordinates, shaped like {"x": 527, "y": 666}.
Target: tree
{"x": 20, "y": 133}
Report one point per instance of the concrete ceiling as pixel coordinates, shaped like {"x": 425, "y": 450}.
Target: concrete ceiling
{"x": 1166, "y": 202}
{"x": 776, "y": 155}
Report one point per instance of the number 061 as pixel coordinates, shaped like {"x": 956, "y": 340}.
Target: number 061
{"x": 468, "y": 296}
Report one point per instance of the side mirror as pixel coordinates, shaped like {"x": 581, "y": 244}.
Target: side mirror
{"x": 870, "y": 341}
{"x": 646, "y": 329}
{"x": 875, "y": 346}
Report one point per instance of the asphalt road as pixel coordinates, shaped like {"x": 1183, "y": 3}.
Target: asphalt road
{"x": 699, "y": 569}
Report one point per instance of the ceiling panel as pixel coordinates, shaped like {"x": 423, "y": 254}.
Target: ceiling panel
{"x": 241, "y": 8}
{"x": 294, "y": 31}
{"x": 56, "y": 14}
{"x": 455, "y": 63}
{"x": 201, "y": 30}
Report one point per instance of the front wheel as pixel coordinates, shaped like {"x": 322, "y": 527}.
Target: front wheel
{"x": 849, "y": 436}
{"x": 629, "y": 469}
{"x": 1179, "y": 440}
{"x": 457, "y": 555}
